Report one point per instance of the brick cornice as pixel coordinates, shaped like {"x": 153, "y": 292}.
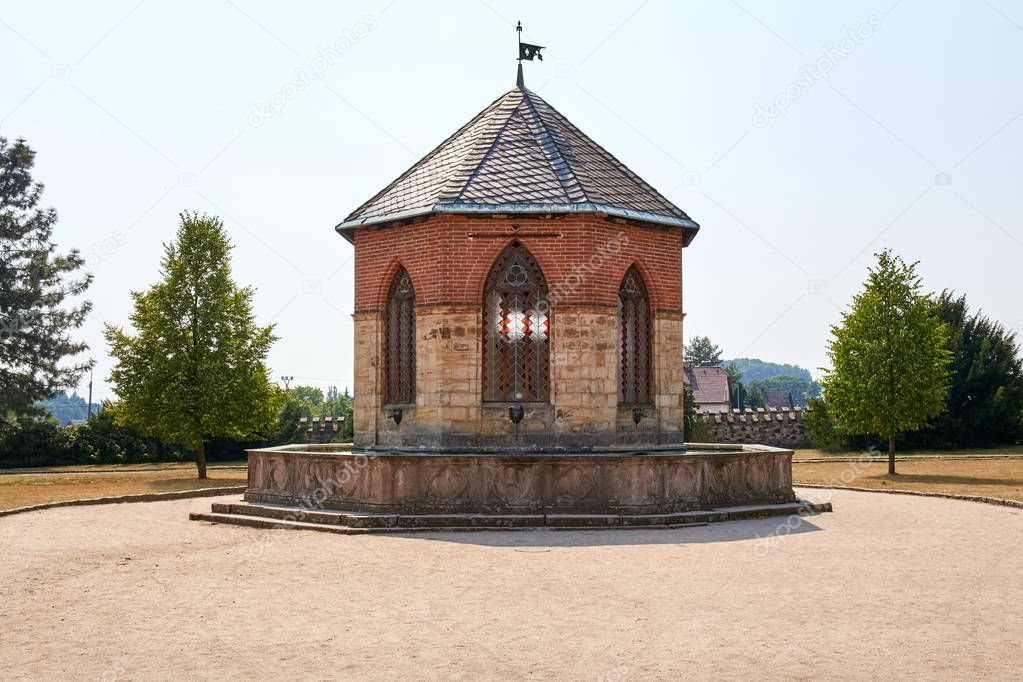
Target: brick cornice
{"x": 583, "y": 259}
{"x": 664, "y": 313}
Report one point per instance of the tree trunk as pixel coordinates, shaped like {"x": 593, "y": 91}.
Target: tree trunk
{"x": 200, "y": 460}
{"x": 891, "y": 455}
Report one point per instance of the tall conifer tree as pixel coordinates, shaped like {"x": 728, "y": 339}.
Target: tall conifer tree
{"x": 38, "y": 355}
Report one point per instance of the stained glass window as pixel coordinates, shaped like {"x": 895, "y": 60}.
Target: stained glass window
{"x": 633, "y": 340}
{"x": 516, "y": 329}
{"x": 400, "y": 336}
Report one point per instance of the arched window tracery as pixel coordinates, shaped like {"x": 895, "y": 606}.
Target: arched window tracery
{"x": 516, "y": 329}
{"x": 633, "y": 340}
{"x": 400, "y": 341}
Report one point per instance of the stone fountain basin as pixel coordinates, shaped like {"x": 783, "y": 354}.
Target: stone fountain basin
{"x": 617, "y": 482}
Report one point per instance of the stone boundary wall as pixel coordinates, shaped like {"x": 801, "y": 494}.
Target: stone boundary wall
{"x": 784, "y": 428}
{"x": 319, "y": 430}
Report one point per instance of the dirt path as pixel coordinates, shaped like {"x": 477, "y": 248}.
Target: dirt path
{"x": 886, "y": 586}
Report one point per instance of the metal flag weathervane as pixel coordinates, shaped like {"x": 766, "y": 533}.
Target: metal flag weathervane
{"x": 527, "y": 52}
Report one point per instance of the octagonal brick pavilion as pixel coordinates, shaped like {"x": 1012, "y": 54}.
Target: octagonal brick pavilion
{"x": 518, "y": 264}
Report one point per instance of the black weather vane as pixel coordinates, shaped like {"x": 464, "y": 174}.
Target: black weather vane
{"x": 526, "y": 51}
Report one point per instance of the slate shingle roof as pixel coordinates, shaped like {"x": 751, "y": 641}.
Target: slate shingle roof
{"x": 519, "y": 155}
{"x": 709, "y": 384}
{"x": 778, "y": 398}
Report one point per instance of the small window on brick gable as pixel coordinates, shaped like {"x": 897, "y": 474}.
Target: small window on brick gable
{"x": 633, "y": 340}
{"x": 400, "y": 341}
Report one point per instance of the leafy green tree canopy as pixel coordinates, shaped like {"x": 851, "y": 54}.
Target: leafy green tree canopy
{"x": 195, "y": 368}
{"x": 36, "y": 349}
{"x": 308, "y": 395}
{"x": 985, "y": 401}
{"x": 701, "y": 352}
{"x": 889, "y": 357}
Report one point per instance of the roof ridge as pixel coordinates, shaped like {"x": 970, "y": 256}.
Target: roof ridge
{"x": 611, "y": 157}
{"x": 432, "y": 153}
{"x": 490, "y": 150}
{"x": 527, "y": 98}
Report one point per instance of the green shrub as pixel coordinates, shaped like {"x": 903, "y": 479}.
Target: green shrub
{"x": 821, "y": 427}
{"x": 101, "y": 441}
{"x": 41, "y": 442}
{"x": 33, "y": 443}
{"x": 699, "y": 432}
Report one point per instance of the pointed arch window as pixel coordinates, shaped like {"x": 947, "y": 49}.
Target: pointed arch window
{"x": 400, "y": 341}
{"x": 633, "y": 340}
{"x": 516, "y": 329}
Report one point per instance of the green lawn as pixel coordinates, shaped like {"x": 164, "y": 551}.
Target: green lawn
{"x": 810, "y": 453}
{"x": 1001, "y": 478}
{"x": 109, "y": 480}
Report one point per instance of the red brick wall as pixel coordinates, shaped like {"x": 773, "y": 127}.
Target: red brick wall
{"x": 449, "y": 257}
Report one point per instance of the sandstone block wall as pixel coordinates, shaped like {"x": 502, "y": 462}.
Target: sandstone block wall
{"x": 583, "y": 259}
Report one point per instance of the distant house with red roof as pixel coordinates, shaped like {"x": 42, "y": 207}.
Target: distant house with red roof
{"x": 710, "y": 387}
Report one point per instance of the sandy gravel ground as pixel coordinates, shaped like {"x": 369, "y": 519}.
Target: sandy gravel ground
{"x": 887, "y": 586}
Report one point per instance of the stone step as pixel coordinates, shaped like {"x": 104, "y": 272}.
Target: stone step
{"x": 378, "y": 520}
{"x": 756, "y": 511}
{"x": 273, "y": 524}
{"x": 325, "y": 516}
{"x": 349, "y": 523}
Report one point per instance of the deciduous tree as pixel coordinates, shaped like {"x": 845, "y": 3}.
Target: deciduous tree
{"x": 889, "y": 356}
{"x": 195, "y": 367}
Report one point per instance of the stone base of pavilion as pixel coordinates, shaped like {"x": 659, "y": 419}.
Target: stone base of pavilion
{"x": 324, "y": 487}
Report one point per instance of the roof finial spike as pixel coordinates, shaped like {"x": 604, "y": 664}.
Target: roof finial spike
{"x": 520, "y": 82}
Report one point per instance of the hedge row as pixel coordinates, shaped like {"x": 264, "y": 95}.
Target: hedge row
{"x": 37, "y": 443}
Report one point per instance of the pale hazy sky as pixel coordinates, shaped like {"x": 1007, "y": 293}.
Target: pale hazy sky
{"x": 909, "y": 135}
